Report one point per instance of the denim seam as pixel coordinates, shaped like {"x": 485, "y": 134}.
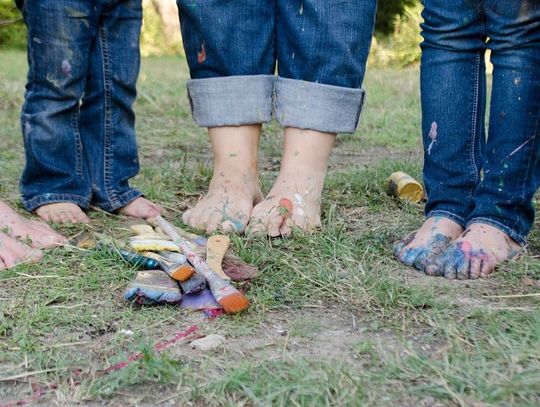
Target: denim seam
{"x": 518, "y": 237}
{"x": 447, "y": 214}
{"x": 529, "y": 167}
{"x": 40, "y": 200}
{"x": 78, "y": 142}
{"x": 111, "y": 195}
{"x": 474, "y": 123}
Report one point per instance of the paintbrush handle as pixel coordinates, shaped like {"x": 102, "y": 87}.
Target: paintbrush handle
{"x": 219, "y": 287}
{"x": 215, "y": 251}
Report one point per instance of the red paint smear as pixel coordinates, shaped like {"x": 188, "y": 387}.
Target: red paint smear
{"x": 201, "y": 55}
{"x": 286, "y": 204}
{"x": 158, "y": 347}
{"x": 40, "y": 391}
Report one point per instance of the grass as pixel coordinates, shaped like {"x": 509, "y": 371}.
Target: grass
{"x": 334, "y": 319}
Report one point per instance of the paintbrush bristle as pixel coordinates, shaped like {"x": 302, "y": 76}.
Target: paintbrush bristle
{"x": 183, "y": 272}
{"x": 233, "y": 303}
{"x": 239, "y": 270}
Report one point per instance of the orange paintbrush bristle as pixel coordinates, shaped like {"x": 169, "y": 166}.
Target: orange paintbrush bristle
{"x": 234, "y": 302}
{"x": 183, "y": 272}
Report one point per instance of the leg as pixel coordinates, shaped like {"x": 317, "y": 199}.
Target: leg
{"x": 503, "y": 212}
{"x": 60, "y": 37}
{"x": 231, "y": 94}
{"x": 107, "y": 117}
{"x": 321, "y": 69}
{"x": 452, "y": 123}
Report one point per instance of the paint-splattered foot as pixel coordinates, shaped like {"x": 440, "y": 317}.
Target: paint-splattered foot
{"x": 141, "y": 208}
{"x": 475, "y": 254}
{"x": 419, "y": 248}
{"x": 64, "y": 212}
{"x": 14, "y": 252}
{"x": 290, "y": 203}
{"x": 38, "y": 234}
{"x": 227, "y": 206}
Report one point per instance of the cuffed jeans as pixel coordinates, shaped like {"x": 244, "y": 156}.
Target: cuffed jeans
{"x": 320, "y": 48}
{"x": 77, "y": 119}
{"x": 469, "y": 178}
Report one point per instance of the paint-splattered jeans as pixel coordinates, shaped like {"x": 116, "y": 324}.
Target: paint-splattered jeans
{"x": 320, "y": 49}
{"x": 469, "y": 179}
{"x": 77, "y": 119}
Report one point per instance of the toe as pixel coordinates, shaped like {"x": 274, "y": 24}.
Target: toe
{"x": 435, "y": 268}
{"x": 487, "y": 268}
{"x": 422, "y": 261}
{"x": 2, "y": 265}
{"x": 229, "y": 226}
{"x": 286, "y": 228}
{"x": 409, "y": 256}
{"x": 186, "y": 217}
{"x": 475, "y": 269}
{"x": 450, "y": 270}
{"x": 213, "y": 222}
{"x": 400, "y": 244}
{"x": 275, "y": 220}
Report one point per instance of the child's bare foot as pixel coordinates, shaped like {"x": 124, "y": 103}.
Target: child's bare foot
{"x": 38, "y": 233}
{"x": 291, "y": 202}
{"x": 295, "y": 198}
{"x": 234, "y": 187}
{"x": 141, "y": 208}
{"x": 475, "y": 254}
{"x": 13, "y": 252}
{"x": 63, "y": 212}
{"x": 418, "y": 248}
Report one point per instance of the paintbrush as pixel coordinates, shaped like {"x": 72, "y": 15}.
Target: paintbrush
{"x": 179, "y": 270}
{"x": 233, "y": 266}
{"x": 215, "y": 250}
{"x": 225, "y": 294}
{"x": 193, "y": 284}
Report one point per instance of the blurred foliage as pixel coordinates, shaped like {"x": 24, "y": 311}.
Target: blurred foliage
{"x": 402, "y": 47}
{"x": 12, "y": 29}
{"x": 153, "y": 40}
{"x": 396, "y": 41}
{"x": 389, "y": 13}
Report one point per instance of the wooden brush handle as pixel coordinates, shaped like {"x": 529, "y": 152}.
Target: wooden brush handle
{"x": 215, "y": 251}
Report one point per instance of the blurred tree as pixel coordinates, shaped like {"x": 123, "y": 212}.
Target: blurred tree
{"x": 388, "y": 13}
{"x": 12, "y": 29}
{"x": 168, "y": 13}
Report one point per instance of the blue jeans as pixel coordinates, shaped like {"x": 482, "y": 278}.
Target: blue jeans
{"x": 77, "y": 119}
{"x": 470, "y": 178}
{"x": 320, "y": 49}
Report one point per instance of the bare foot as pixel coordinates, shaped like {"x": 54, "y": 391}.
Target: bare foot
{"x": 39, "y": 234}
{"x": 234, "y": 188}
{"x": 64, "y": 212}
{"x": 13, "y": 252}
{"x": 141, "y": 208}
{"x": 421, "y": 246}
{"x": 295, "y": 198}
{"x": 475, "y": 254}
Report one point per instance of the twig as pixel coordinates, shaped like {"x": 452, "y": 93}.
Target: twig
{"x": 513, "y": 295}
{"x": 46, "y": 276}
{"x": 24, "y": 375}
{"x": 58, "y": 345}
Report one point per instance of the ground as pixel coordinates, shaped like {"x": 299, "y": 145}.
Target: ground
{"x": 334, "y": 320}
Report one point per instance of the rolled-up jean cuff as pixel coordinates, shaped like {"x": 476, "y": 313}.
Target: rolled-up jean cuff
{"x": 517, "y": 237}
{"x": 231, "y": 100}
{"x": 448, "y": 215}
{"x": 316, "y": 106}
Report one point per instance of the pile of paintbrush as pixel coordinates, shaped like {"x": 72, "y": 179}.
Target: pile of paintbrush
{"x": 194, "y": 271}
